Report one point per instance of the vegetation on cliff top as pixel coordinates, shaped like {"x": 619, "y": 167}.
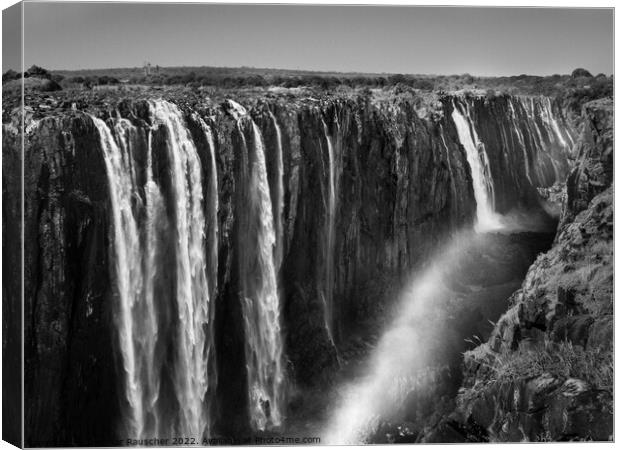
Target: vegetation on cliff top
{"x": 47, "y": 91}
{"x": 577, "y": 87}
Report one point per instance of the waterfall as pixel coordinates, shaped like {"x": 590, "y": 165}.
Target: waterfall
{"x": 331, "y": 218}
{"x": 126, "y": 257}
{"x": 545, "y": 134}
{"x": 139, "y": 260}
{"x": 521, "y": 141}
{"x": 534, "y": 135}
{"x": 212, "y": 233}
{"x": 486, "y": 218}
{"x": 192, "y": 291}
{"x": 531, "y": 108}
{"x": 260, "y": 302}
{"x": 450, "y": 173}
{"x": 279, "y": 201}
{"x": 551, "y": 122}
{"x": 212, "y": 206}
{"x": 155, "y": 227}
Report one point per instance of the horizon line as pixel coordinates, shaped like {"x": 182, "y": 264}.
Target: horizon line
{"x": 317, "y": 71}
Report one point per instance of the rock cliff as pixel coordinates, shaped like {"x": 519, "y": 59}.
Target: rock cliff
{"x": 546, "y": 373}
{"x": 400, "y": 183}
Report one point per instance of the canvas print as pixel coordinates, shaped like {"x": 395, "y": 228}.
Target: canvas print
{"x": 306, "y": 224}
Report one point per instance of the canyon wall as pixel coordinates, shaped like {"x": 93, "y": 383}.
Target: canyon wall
{"x": 368, "y": 189}
{"x": 546, "y": 373}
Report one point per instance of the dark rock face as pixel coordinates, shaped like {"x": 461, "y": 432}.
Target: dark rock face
{"x": 11, "y": 286}
{"x": 593, "y": 173}
{"x": 546, "y": 372}
{"x": 402, "y": 185}
{"x": 68, "y": 325}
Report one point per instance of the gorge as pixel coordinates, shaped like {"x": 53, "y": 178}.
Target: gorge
{"x": 281, "y": 264}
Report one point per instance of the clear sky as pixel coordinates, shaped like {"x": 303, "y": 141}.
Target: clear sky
{"x": 433, "y": 40}
{"x": 12, "y": 38}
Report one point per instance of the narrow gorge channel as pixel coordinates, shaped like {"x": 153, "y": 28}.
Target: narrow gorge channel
{"x": 276, "y": 266}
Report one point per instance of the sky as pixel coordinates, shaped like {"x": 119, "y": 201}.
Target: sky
{"x": 429, "y": 40}
{"x": 11, "y": 38}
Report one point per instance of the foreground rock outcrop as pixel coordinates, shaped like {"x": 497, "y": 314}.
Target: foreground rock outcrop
{"x": 546, "y": 373}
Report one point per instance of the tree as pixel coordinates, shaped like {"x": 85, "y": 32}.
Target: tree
{"x": 467, "y": 78}
{"x": 577, "y": 73}
{"x": 36, "y": 71}
{"x": 424, "y": 85}
{"x": 397, "y": 78}
{"x": 188, "y": 77}
{"x": 88, "y": 82}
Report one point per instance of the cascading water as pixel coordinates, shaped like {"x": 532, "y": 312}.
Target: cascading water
{"x": 155, "y": 228}
{"x": 127, "y": 267}
{"x": 538, "y": 127}
{"x": 551, "y": 122}
{"x": 486, "y": 218}
{"x": 279, "y": 201}
{"x": 331, "y": 219}
{"x": 450, "y": 172}
{"x": 212, "y": 232}
{"x": 212, "y": 206}
{"x": 538, "y": 113}
{"x": 513, "y": 118}
{"x": 192, "y": 291}
{"x": 136, "y": 255}
{"x": 138, "y": 262}
{"x": 260, "y": 302}
{"x": 138, "y": 259}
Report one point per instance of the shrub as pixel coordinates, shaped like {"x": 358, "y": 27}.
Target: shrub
{"x": 50, "y": 86}
{"x": 10, "y": 75}
{"x": 424, "y": 85}
{"x": 79, "y": 80}
{"x": 105, "y": 80}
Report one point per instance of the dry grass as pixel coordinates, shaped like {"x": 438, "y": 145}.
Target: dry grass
{"x": 561, "y": 360}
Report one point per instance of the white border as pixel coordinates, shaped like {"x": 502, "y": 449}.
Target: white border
{"x": 478, "y": 3}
